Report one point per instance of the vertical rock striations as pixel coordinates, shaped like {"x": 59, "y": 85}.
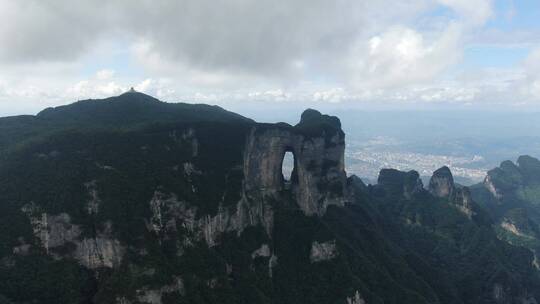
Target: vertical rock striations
{"x": 323, "y": 251}
{"x": 318, "y": 179}
{"x": 442, "y": 185}
{"x": 61, "y": 238}
{"x": 510, "y": 180}
{"x": 395, "y": 182}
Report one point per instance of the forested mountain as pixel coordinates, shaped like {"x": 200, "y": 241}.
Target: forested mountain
{"x": 511, "y": 193}
{"x": 132, "y": 200}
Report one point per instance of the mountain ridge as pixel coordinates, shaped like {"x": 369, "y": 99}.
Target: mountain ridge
{"x": 199, "y": 212}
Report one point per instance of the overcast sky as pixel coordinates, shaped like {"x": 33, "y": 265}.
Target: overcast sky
{"x": 414, "y": 53}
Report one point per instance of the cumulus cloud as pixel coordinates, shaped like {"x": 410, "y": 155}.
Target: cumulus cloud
{"x": 473, "y": 12}
{"x": 402, "y": 56}
{"x": 333, "y": 95}
{"x": 270, "y": 95}
{"x": 531, "y": 82}
{"x": 265, "y": 36}
{"x": 280, "y": 50}
{"x": 50, "y": 30}
{"x": 105, "y": 74}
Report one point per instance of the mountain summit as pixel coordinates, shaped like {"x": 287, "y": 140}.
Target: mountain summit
{"x": 135, "y": 107}
{"x": 129, "y": 110}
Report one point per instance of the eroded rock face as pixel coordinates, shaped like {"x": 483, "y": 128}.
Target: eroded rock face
{"x": 356, "y": 299}
{"x": 509, "y": 178}
{"x": 263, "y": 251}
{"x": 60, "y": 238}
{"x": 52, "y": 230}
{"x": 98, "y": 252}
{"x": 462, "y": 199}
{"x": 92, "y": 206}
{"x": 492, "y": 188}
{"x": 323, "y": 251}
{"x": 318, "y": 179}
{"x": 245, "y": 214}
{"x": 502, "y": 294}
{"x": 441, "y": 183}
{"x": 154, "y": 295}
{"x": 168, "y": 212}
{"x": 400, "y": 183}
{"x": 518, "y": 222}
{"x": 272, "y": 262}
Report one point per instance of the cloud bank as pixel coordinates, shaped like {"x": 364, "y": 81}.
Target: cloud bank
{"x": 260, "y": 50}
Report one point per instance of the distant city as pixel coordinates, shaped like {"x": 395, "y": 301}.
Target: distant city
{"x": 366, "y": 159}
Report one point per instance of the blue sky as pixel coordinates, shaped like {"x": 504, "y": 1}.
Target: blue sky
{"x": 365, "y": 54}
{"x": 509, "y": 17}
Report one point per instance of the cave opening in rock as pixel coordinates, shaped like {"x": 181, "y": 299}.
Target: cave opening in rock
{"x": 287, "y": 166}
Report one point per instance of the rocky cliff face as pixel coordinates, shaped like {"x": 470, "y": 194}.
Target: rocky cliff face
{"x": 509, "y": 179}
{"x": 168, "y": 213}
{"x": 442, "y": 185}
{"x": 323, "y": 251}
{"x": 61, "y": 238}
{"x": 400, "y": 183}
{"x": 318, "y": 179}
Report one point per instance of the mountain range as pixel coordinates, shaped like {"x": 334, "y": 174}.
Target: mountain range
{"x": 133, "y": 200}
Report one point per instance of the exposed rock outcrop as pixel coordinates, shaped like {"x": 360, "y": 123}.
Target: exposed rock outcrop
{"x": 356, "y": 299}
{"x": 503, "y": 180}
{"x": 517, "y": 222}
{"x": 263, "y": 251}
{"x": 509, "y": 178}
{"x": 318, "y": 179}
{"x": 92, "y": 206}
{"x": 168, "y": 212}
{"x": 323, "y": 251}
{"x": 101, "y": 251}
{"x": 462, "y": 199}
{"x": 442, "y": 185}
{"x": 492, "y": 188}
{"x": 502, "y": 294}
{"x": 154, "y": 295}
{"x": 400, "y": 183}
{"x": 57, "y": 235}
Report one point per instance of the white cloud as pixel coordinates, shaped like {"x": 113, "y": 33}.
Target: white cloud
{"x": 161, "y": 88}
{"x": 531, "y": 83}
{"x": 269, "y": 95}
{"x": 473, "y": 12}
{"x": 402, "y": 56}
{"x": 105, "y": 74}
{"x": 333, "y": 95}
{"x": 94, "y": 89}
{"x": 253, "y": 50}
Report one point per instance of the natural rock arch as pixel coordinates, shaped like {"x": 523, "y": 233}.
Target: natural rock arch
{"x": 318, "y": 146}
{"x": 287, "y": 172}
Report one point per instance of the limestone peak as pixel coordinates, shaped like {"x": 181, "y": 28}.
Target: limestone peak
{"x": 441, "y": 183}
